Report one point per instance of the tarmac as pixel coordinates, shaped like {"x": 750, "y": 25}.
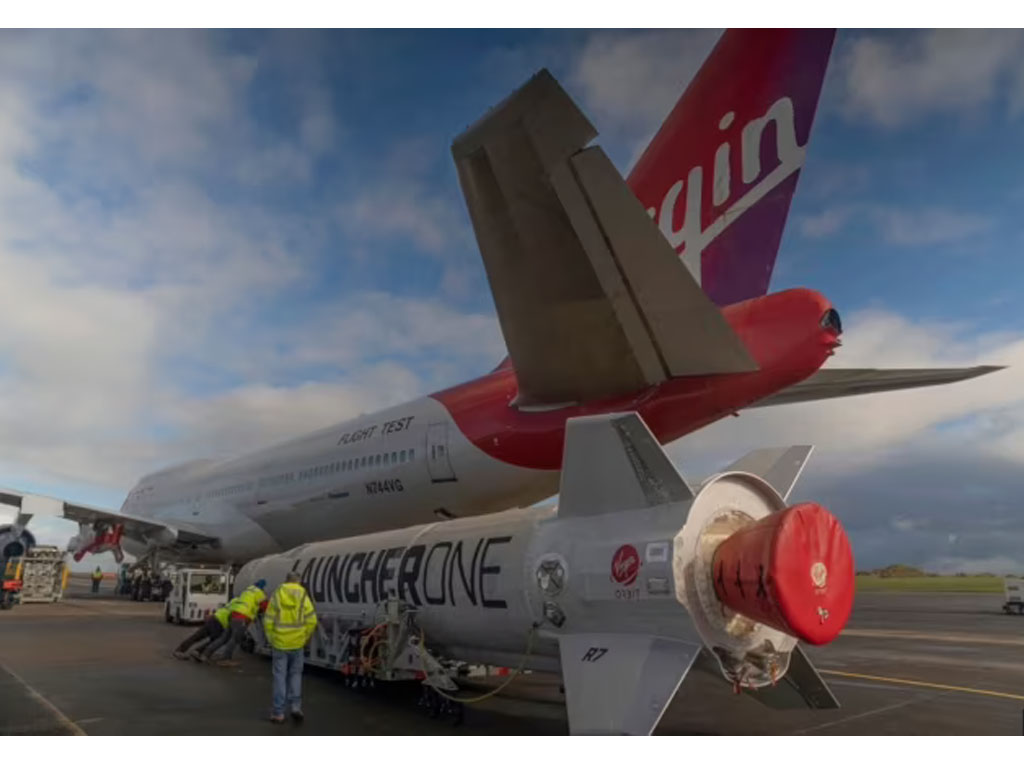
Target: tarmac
{"x": 907, "y": 664}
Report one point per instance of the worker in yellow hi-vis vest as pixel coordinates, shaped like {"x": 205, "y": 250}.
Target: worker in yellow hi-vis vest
{"x": 242, "y": 611}
{"x": 214, "y": 626}
{"x": 289, "y": 622}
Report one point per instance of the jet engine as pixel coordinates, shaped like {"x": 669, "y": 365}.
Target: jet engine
{"x": 15, "y": 541}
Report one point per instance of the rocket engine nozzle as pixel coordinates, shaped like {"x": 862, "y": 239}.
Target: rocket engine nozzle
{"x": 791, "y": 570}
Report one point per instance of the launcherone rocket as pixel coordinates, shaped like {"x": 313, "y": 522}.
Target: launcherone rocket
{"x": 634, "y": 576}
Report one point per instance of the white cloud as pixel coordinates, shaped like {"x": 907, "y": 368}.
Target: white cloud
{"x": 893, "y": 79}
{"x": 403, "y": 206}
{"x": 826, "y": 223}
{"x": 404, "y": 209}
{"x": 637, "y": 77}
{"x": 628, "y": 82}
{"x": 142, "y": 318}
{"x": 929, "y": 226}
{"x": 898, "y": 225}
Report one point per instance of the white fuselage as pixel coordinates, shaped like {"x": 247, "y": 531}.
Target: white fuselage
{"x": 399, "y": 467}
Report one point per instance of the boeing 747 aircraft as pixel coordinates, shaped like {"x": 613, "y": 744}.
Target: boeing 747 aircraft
{"x": 645, "y": 294}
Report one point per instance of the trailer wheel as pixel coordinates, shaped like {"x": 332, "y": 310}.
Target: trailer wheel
{"x": 460, "y": 714}
{"x": 167, "y": 614}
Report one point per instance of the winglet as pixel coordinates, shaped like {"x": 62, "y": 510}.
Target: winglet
{"x": 612, "y": 463}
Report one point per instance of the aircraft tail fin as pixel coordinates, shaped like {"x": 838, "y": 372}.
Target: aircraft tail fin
{"x": 719, "y": 175}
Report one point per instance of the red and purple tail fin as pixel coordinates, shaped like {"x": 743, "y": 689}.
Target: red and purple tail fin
{"x": 720, "y": 174}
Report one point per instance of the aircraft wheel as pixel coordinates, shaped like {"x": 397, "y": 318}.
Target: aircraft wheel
{"x": 167, "y": 614}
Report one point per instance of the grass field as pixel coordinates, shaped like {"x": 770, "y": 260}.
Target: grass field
{"x": 930, "y": 584}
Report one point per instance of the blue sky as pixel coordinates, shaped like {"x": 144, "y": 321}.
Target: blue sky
{"x": 217, "y": 240}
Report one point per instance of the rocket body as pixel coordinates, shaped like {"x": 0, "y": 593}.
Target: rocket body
{"x": 633, "y": 578}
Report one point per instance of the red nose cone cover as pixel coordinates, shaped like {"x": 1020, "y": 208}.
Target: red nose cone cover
{"x": 792, "y": 570}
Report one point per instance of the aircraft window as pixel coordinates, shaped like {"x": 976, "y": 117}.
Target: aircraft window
{"x": 385, "y": 459}
{"x": 362, "y": 461}
{"x": 401, "y": 457}
{"x": 376, "y": 460}
{"x": 394, "y": 457}
{"x": 412, "y": 454}
{"x": 440, "y": 450}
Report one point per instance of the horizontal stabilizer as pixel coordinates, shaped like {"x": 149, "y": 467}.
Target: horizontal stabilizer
{"x": 592, "y": 300}
{"x": 621, "y": 684}
{"x": 612, "y": 462}
{"x": 780, "y": 467}
{"x": 843, "y": 382}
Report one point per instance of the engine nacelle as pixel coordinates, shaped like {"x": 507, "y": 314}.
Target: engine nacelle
{"x": 15, "y": 541}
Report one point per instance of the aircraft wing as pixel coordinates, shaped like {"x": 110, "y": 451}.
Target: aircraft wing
{"x": 592, "y": 300}
{"x": 843, "y": 382}
{"x": 136, "y": 528}
{"x": 94, "y": 521}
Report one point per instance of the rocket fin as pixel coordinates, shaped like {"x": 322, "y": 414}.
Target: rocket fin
{"x": 621, "y": 684}
{"x": 780, "y": 467}
{"x": 612, "y": 462}
{"x": 801, "y": 688}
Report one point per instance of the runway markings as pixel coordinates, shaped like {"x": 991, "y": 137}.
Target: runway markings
{"x": 923, "y": 684}
{"x": 63, "y": 719}
{"x": 899, "y": 634}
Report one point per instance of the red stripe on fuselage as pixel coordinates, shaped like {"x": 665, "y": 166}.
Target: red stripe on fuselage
{"x": 782, "y": 331}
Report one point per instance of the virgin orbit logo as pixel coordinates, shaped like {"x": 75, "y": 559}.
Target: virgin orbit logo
{"x": 625, "y": 565}
{"x": 684, "y": 201}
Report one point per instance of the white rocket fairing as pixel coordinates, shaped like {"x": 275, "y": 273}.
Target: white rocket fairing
{"x": 619, "y": 589}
